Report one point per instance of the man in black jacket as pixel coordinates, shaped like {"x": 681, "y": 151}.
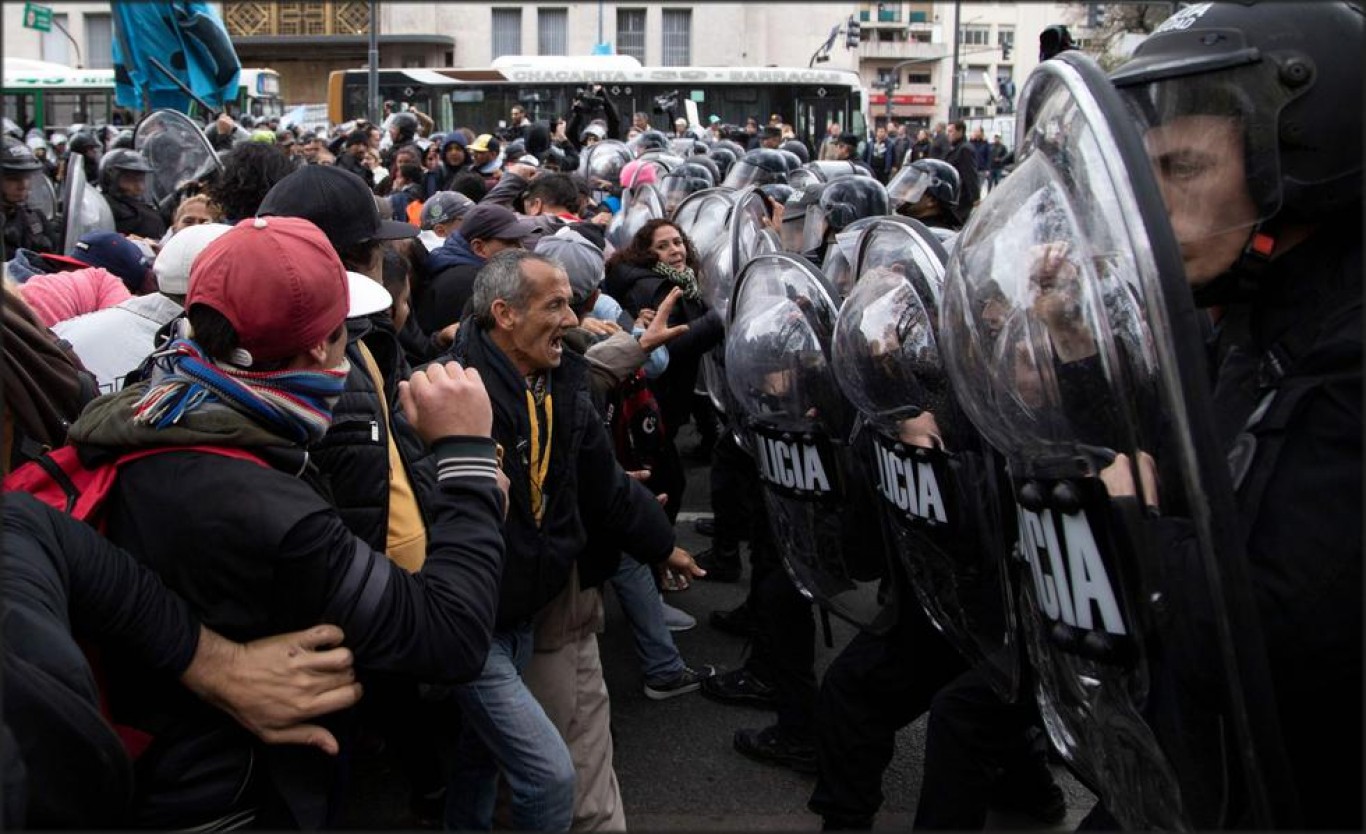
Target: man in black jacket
{"x": 566, "y": 490}
{"x": 252, "y": 544}
{"x": 964, "y": 160}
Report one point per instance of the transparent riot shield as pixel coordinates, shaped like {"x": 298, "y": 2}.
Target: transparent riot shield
{"x": 703, "y": 217}
{"x": 746, "y": 234}
{"x": 601, "y": 164}
{"x": 939, "y": 486}
{"x": 639, "y": 206}
{"x": 42, "y": 195}
{"x": 84, "y": 208}
{"x": 177, "y": 150}
{"x": 816, "y": 486}
{"x": 1071, "y": 340}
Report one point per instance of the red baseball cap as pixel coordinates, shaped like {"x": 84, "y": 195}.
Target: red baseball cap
{"x": 277, "y": 280}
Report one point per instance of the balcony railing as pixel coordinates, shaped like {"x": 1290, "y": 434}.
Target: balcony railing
{"x": 900, "y": 50}
{"x": 253, "y": 19}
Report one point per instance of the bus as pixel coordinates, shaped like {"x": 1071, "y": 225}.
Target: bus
{"x": 545, "y": 87}
{"x": 54, "y": 96}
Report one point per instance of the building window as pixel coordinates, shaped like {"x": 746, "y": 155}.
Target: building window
{"x": 1005, "y": 37}
{"x": 99, "y": 41}
{"x": 414, "y": 62}
{"x": 631, "y": 33}
{"x": 507, "y": 32}
{"x": 677, "y": 37}
{"x": 56, "y": 48}
{"x": 977, "y": 74}
{"x": 885, "y": 77}
{"x": 552, "y": 31}
{"x": 920, "y": 37}
{"x": 918, "y": 78}
{"x": 974, "y": 35}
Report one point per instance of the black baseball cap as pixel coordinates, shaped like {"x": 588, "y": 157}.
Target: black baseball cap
{"x": 336, "y": 201}
{"x": 490, "y": 222}
{"x": 849, "y": 139}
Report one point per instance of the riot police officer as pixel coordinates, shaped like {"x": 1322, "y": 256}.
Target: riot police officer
{"x": 1258, "y": 157}
{"x": 24, "y": 227}
{"x": 123, "y": 179}
{"x": 927, "y": 190}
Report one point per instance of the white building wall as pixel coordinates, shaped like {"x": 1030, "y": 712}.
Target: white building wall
{"x": 27, "y": 43}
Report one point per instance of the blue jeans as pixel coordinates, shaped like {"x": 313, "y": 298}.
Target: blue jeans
{"x": 635, "y": 586}
{"x": 505, "y": 728}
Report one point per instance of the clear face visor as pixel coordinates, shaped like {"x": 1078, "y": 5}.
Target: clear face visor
{"x": 745, "y": 173}
{"x": 1212, "y": 140}
{"x": 908, "y": 186}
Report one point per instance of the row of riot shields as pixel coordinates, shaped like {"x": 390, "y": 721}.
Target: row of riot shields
{"x": 177, "y": 152}
{"x": 1015, "y": 433}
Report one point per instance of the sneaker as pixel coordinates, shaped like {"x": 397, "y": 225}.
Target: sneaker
{"x": 684, "y": 682}
{"x": 721, "y": 565}
{"x": 740, "y": 687}
{"x": 773, "y": 746}
{"x": 676, "y": 619}
{"x": 739, "y": 621}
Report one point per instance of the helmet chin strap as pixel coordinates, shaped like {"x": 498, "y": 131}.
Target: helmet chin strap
{"x": 1243, "y": 277}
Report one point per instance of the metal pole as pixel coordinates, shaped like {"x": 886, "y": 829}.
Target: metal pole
{"x": 599, "y": 21}
{"x": 957, "y": 38}
{"x": 74, "y": 45}
{"x": 373, "y": 58}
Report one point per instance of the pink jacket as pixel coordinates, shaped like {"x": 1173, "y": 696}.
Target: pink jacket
{"x": 65, "y": 295}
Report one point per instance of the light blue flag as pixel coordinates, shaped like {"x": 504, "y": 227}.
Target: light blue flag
{"x": 187, "y": 38}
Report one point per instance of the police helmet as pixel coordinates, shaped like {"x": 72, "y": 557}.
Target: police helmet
{"x": 793, "y": 161}
{"x": 650, "y": 140}
{"x": 120, "y": 161}
{"x": 82, "y": 142}
{"x": 123, "y": 140}
{"x": 723, "y": 159}
{"x": 731, "y": 145}
{"x": 12, "y": 129}
{"x": 18, "y": 159}
{"x": 757, "y": 167}
{"x": 840, "y": 204}
{"x": 935, "y": 177}
{"x": 798, "y": 148}
{"x": 1288, "y": 73}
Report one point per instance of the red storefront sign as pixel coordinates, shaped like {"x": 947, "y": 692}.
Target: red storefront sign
{"x": 914, "y": 99}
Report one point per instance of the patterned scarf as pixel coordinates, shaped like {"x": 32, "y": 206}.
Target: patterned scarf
{"x": 294, "y": 404}
{"x": 684, "y": 278}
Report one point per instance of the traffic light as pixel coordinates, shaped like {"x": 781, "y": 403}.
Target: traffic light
{"x": 851, "y": 34}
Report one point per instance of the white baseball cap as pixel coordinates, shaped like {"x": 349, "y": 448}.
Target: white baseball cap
{"x": 172, "y": 265}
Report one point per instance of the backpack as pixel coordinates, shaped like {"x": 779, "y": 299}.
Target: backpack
{"x": 636, "y": 423}
{"x": 60, "y": 478}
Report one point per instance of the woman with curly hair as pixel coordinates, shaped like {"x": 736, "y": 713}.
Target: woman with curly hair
{"x": 658, "y": 259}
{"x": 249, "y": 170}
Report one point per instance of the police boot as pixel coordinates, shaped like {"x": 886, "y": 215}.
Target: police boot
{"x": 773, "y": 745}
{"x": 721, "y": 561}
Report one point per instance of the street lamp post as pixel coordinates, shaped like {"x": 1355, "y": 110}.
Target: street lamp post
{"x": 957, "y": 41}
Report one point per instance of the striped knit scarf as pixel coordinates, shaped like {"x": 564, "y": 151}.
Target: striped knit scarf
{"x": 294, "y": 404}
{"x": 684, "y": 278}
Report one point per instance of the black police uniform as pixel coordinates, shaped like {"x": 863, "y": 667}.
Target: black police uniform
{"x": 27, "y": 229}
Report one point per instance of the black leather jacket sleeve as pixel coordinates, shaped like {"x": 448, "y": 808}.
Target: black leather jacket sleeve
{"x": 57, "y": 565}
{"x": 435, "y": 624}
